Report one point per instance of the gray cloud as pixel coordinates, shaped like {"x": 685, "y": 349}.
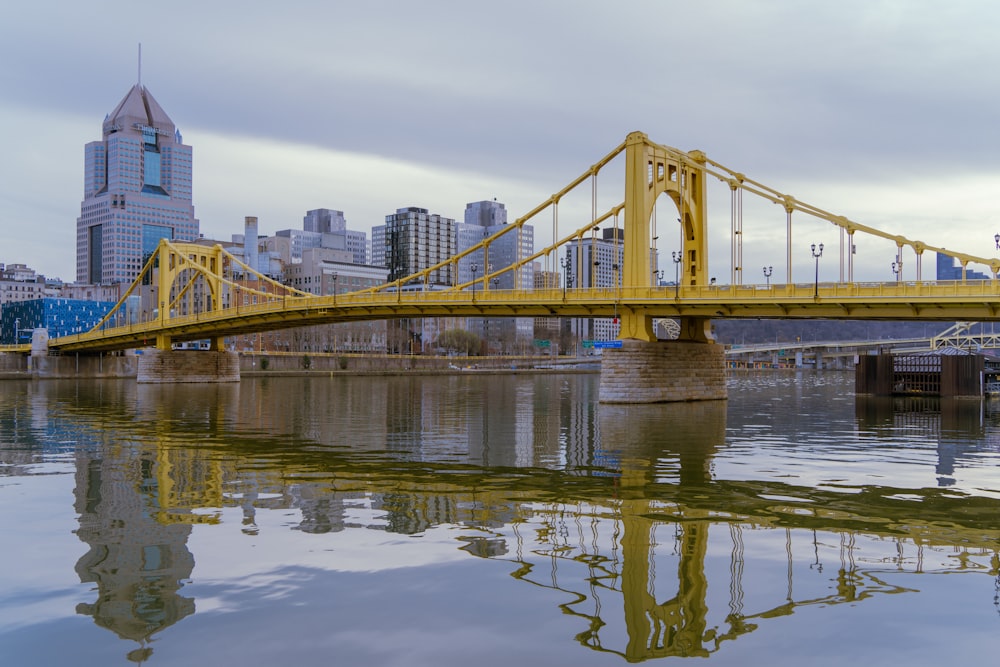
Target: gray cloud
{"x": 849, "y": 91}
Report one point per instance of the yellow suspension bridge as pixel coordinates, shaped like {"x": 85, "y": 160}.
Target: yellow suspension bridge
{"x": 194, "y": 292}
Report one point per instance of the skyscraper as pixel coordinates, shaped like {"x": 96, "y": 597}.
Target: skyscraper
{"x": 484, "y": 219}
{"x": 137, "y": 190}
{"x": 411, "y": 240}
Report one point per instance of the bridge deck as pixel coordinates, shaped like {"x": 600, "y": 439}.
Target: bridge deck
{"x": 976, "y": 301}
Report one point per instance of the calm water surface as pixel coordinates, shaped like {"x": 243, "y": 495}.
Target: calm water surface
{"x": 494, "y": 520}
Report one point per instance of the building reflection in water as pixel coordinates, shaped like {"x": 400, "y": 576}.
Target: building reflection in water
{"x": 136, "y": 501}
{"x": 616, "y": 506}
{"x": 957, "y": 425}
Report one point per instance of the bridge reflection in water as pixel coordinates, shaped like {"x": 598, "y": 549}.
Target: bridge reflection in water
{"x": 617, "y": 509}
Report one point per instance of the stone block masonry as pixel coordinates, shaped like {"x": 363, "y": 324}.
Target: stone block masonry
{"x": 175, "y": 366}
{"x": 662, "y": 372}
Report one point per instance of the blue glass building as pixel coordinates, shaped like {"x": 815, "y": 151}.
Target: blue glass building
{"x": 61, "y": 317}
{"x": 947, "y": 269}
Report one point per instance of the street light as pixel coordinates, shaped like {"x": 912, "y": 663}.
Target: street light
{"x": 496, "y": 282}
{"x": 564, "y": 263}
{"x": 996, "y": 237}
{"x": 17, "y": 331}
{"x": 473, "y": 267}
{"x": 896, "y": 268}
{"x": 334, "y": 276}
{"x": 817, "y": 255}
{"x": 677, "y": 257}
{"x": 767, "y": 274}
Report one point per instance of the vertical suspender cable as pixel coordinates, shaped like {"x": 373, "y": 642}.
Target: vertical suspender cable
{"x": 732, "y": 229}
{"x": 850, "y": 256}
{"x": 739, "y": 236}
{"x": 841, "y": 254}
{"x": 681, "y": 204}
{"x": 788, "y": 244}
{"x": 555, "y": 234}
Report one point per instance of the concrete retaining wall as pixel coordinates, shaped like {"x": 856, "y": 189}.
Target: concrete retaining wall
{"x": 82, "y": 366}
{"x": 13, "y": 362}
{"x": 665, "y": 371}
{"x": 251, "y": 363}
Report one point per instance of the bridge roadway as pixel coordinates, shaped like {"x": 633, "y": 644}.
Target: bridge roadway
{"x": 918, "y": 301}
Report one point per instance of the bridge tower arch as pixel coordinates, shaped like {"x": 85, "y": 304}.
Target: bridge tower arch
{"x": 653, "y": 171}
{"x": 183, "y": 270}
{"x": 643, "y": 369}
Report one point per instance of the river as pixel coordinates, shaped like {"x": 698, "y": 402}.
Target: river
{"x": 494, "y": 520}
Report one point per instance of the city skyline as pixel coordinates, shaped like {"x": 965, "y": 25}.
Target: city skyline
{"x": 877, "y": 111}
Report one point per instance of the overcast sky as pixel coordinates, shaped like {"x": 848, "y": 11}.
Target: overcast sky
{"x": 885, "y": 111}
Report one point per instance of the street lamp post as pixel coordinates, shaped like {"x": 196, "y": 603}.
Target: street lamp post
{"x": 564, "y": 263}
{"x": 496, "y": 283}
{"x": 334, "y": 276}
{"x": 896, "y": 268}
{"x": 996, "y": 238}
{"x": 17, "y": 331}
{"x": 817, "y": 255}
{"x": 474, "y": 267}
{"x": 677, "y": 257}
{"x": 767, "y": 274}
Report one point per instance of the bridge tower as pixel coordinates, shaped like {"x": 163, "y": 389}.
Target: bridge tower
{"x": 645, "y": 370}
{"x": 188, "y": 282}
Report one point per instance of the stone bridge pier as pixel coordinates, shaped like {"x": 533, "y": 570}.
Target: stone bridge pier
{"x": 691, "y": 368}
{"x": 161, "y": 365}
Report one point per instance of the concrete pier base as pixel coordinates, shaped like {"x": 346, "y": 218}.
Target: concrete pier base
{"x": 662, "y": 372}
{"x": 175, "y": 366}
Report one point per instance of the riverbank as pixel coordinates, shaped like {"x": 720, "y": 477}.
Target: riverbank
{"x": 125, "y": 366}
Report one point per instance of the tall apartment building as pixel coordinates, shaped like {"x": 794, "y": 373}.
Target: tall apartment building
{"x": 137, "y": 190}
{"x": 596, "y": 262}
{"x": 413, "y": 239}
{"x": 482, "y": 220}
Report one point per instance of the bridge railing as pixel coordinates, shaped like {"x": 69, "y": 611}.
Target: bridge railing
{"x": 939, "y": 288}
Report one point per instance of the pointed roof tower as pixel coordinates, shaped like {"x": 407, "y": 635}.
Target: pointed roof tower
{"x": 138, "y": 107}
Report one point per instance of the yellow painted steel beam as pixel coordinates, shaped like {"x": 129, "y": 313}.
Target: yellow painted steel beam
{"x": 928, "y": 302}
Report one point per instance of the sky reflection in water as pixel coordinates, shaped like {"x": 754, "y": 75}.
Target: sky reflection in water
{"x": 493, "y": 519}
